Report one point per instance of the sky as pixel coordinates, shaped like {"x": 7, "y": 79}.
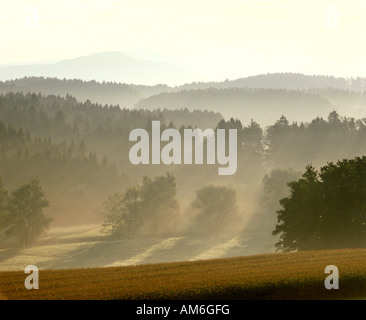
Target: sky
{"x": 215, "y": 39}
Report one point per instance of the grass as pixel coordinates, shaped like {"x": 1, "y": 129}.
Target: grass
{"x": 274, "y": 276}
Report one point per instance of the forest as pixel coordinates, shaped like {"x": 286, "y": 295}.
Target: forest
{"x": 78, "y": 152}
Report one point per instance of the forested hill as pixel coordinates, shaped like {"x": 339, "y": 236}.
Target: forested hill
{"x": 122, "y": 94}
{"x": 67, "y": 118}
{"x": 293, "y": 81}
{"x": 75, "y": 180}
{"x": 262, "y": 105}
{"x": 79, "y": 151}
{"x": 103, "y": 93}
{"x": 108, "y": 92}
{"x": 263, "y": 98}
{"x": 104, "y": 130}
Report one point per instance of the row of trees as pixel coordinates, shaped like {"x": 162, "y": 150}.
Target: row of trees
{"x": 153, "y": 209}
{"x": 325, "y": 209}
{"x": 22, "y": 213}
{"x": 284, "y": 144}
{"x": 105, "y": 131}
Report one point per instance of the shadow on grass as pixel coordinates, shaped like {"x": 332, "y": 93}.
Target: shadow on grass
{"x": 353, "y": 287}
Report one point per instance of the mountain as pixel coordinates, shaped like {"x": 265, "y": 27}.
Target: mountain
{"x": 106, "y": 66}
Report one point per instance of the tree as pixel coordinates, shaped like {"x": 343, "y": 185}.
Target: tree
{"x": 26, "y": 219}
{"x": 251, "y": 150}
{"x": 278, "y": 136}
{"x": 217, "y": 205}
{"x": 159, "y": 204}
{"x": 148, "y": 209}
{"x": 121, "y": 213}
{"x": 326, "y": 209}
{"x": 252, "y": 139}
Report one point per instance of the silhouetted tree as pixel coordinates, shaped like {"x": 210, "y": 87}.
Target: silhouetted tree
{"x": 26, "y": 219}
{"x": 148, "y": 209}
{"x": 326, "y": 209}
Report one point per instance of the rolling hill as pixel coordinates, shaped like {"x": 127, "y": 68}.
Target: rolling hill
{"x": 264, "y": 98}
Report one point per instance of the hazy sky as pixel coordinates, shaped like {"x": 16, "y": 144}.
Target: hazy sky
{"x": 216, "y": 38}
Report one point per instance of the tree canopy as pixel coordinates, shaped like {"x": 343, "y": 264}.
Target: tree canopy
{"x": 22, "y": 214}
{"x": 326, "y": 209}
{"x": 150, "y": 208}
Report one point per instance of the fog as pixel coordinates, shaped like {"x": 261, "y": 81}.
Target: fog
{"x": 76, "y": 77}
{"x": 213, "y": 40}
{"x": 78, "y": 150}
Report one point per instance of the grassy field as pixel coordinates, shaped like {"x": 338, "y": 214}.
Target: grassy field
{"x": 273, "y": 276}
{"x": 85, "y": 247}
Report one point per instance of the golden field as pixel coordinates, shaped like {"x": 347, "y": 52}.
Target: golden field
{"x": 297, "y": 275}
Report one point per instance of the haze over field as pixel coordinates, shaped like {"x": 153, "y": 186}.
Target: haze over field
{"x": 76, "y": 77}
{"x": 85, "y": 247}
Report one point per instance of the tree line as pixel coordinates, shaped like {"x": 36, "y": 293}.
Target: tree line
{"x": 152, "y": 209}
{"x": 72, "y": 147}
{"x": 105, "y": 129}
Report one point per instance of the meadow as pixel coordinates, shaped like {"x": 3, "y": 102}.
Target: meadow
{"x": 298, "y": 275}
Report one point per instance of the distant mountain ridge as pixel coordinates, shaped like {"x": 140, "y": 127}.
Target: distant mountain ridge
{"x": 105, "y": 66}
{"x": 118, "y": 67}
